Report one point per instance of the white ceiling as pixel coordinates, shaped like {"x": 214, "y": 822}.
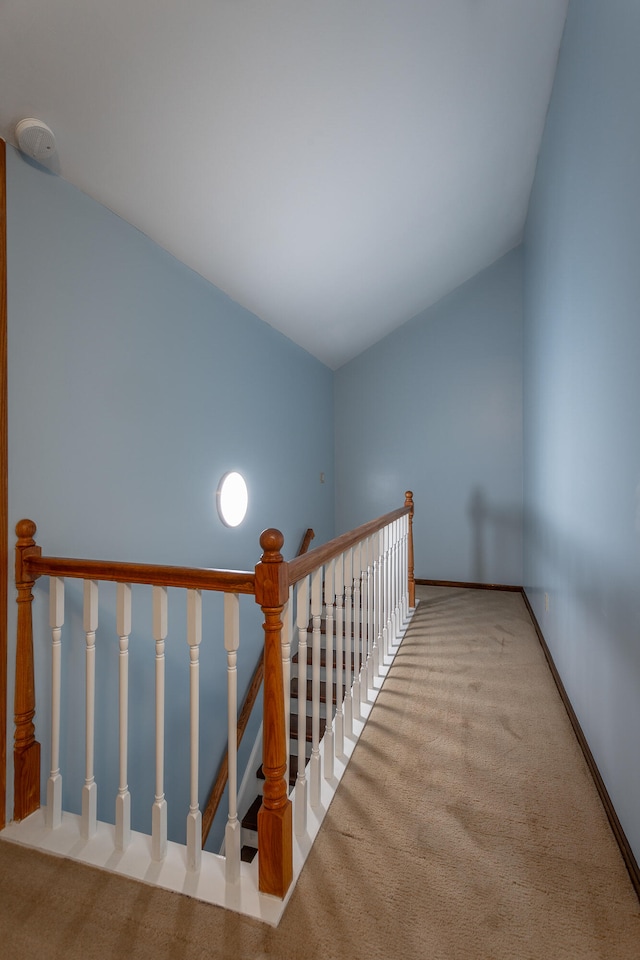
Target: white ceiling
{"x": 336, "y": 166}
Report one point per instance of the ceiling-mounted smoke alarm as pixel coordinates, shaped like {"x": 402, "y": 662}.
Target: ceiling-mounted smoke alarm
{"x": 36, "y": 140}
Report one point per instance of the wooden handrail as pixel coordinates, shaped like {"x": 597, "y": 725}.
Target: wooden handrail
{"x": 306, "y": 541}
{"x": 158, "y": 575}
{"x": 303, "y": 566}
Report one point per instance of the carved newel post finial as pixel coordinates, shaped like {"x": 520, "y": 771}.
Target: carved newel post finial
{"x": 408, "y": 502}
{"x": 275, "y": 846}
{"x": 26, "y": 750}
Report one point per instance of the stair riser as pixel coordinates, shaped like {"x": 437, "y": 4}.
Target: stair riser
{"x": 248, "y": 838}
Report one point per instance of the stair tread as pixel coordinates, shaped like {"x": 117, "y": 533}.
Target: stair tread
{"x": 248, "y": 854}
{"x": 323, "y": 657}
{"x": 323, "y": 690}
{"x": 250, "y": 819}
{"x": 323, "y": 627}
{"x": 293, "y": 732}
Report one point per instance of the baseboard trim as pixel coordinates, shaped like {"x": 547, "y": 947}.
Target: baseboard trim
{"x": 625, "y": 848}
{"x": 469, "y": 586}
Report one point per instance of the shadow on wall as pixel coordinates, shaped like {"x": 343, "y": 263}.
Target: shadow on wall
{"x": 599, "y": 595}
{"x": 496, "y": 540}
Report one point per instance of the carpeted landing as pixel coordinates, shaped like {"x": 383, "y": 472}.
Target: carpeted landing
{"x": 467, "y": 827}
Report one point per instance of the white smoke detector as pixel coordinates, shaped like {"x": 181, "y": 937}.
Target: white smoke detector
{"x": 36, "y": 140}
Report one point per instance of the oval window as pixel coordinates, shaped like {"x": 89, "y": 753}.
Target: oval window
{"x": 232, "y": 499}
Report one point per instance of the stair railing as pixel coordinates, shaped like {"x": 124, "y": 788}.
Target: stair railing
{"x": 386, "y": 545}
{"x": 30, "y": 564}
{"x": 369, "y": 590}
{"x": 220, "y": 781}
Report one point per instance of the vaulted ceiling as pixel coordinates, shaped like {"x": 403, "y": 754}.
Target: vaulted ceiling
{"x": 336, "y": 166}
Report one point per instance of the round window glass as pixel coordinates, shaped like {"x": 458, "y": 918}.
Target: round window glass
{"x": 232, "y": 499}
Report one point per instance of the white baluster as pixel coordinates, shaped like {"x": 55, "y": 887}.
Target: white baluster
{"x": 364, "y": 592}
{"x": 287, "y": 635}
{"x": 329, "y": 596}
{"x": 402, "y": 581}
{"x": 302, "y": 621}
{"x": 357, "y": 618}
{"x": 90, "y": 790}
{"x": 194, "y": 639}
{"x": 159, "y": 809}
{"x": 348, "y": 640}
{"x": 231, "y": 644}
{"x": 123, "y": 798}
{"x": 367, "y": 616}
{"x": 384, "y": 598}
{"x": 316, "y": 614}
{"x": 392, "y": 586}
{"x": 53, "y": 813}
{"x": 361, "y": 578}
{"x": 339, "y": 588}
{"x": 397, "y": 613}
{"x": 377, "y": 605}
{"x": 389, "y": 589}
{"x": 405, "y": 564}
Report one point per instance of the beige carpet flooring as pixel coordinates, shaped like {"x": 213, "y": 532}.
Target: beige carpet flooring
{"x": 467, "y": 828}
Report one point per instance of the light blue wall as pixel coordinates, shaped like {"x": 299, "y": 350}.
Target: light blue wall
{"x": 582, "y": 388}
{"x": 437, "y": 407}
{"x": 133, "y": 386}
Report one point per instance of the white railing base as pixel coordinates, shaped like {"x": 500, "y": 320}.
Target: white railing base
{"x": 348, "y": 714}
{"x": 89, "y": 809}
{"x": 355, "y": 693}
{"x": 339, "y": 731}
{"x": 328, "y": 753}
{"x": 315, "y": 773}
{"x": 159, "y": 829}
{"x": 208, "y": 884}
{"x": 232, "y": 847}
{"x": 123, "y": 820}
{"x": 194, "y": 839}
{"x": 300, "y": 806}
{"x": 54, "y": 801}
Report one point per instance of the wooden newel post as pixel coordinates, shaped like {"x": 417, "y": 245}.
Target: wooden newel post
{"x": 26, "y": 750}
{"x": 408, "y": 502}
{"x": 275, "y": 847}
